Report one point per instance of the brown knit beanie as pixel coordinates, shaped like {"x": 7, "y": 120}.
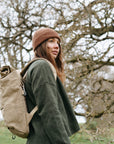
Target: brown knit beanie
{"x": 43, "y": 34}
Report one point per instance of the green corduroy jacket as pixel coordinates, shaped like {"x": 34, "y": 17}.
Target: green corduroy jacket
{"x": 54, "y": 122}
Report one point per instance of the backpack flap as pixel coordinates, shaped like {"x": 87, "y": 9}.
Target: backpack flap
{"x": 13, "y": 102}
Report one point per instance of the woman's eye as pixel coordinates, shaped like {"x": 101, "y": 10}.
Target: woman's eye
{"x": 50, "y": 40}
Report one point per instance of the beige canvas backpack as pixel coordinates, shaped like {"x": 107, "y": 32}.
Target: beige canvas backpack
{"x": 12, "y": 98}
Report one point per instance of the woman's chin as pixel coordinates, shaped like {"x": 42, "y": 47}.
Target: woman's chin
{"x": 54, "y": 56}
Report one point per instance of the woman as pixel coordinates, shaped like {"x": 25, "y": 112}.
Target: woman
{"x": 54, "y": 121}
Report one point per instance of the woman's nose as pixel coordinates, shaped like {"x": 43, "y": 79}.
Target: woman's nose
{"x": 56, "y": 45}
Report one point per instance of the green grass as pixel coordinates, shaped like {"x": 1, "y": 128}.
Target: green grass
{"x": 6, "y": 137}
{"x": 82, "y": 137}
{"x": 85, "y": 138}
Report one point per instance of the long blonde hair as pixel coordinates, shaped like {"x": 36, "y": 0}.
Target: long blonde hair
{"x": 42, "y": 51}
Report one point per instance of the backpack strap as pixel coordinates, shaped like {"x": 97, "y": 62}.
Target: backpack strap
{"x": 34, "y": 110}
{"x": 24, "y": 70}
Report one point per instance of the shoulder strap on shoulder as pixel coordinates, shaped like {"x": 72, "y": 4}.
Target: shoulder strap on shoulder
{"x": 23, "y": 72}
{"x": 27, "y": 66}
{"x": 53, "y": 69}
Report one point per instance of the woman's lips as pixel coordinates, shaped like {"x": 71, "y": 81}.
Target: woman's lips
{"x": 55, "y": 52}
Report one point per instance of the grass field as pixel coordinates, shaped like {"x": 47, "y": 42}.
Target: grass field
{"x": 82, "y": 137}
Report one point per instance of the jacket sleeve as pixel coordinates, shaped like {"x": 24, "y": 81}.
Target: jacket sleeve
{"x": 45, "y": 92}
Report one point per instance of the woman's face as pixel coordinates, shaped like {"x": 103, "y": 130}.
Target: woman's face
{"x": 53, "y": 47}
